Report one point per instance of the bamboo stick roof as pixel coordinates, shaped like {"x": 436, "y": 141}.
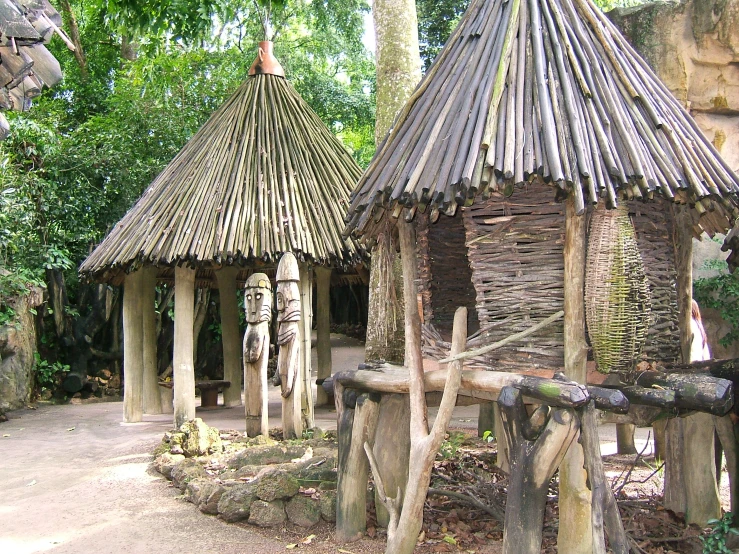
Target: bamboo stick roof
{"x": 544, "y": 89}
{"x": 263, "y": 176}
{"x": 26, "y": 66}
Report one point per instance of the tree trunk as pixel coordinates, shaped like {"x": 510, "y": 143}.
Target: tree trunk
{"x": 701, "y": 492}
{"x": 183, "y": 362}
{"x": 398, "y": 72}
{"x": 229, "y": 307}
{"x": 73, "y": 30}
{"x": 575, "y": 532}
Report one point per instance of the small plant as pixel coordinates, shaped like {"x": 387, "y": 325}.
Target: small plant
{"x": 46, "y": 372}
{"x": 451, "y": 444}
{"x": 715, "y": 541}
{"x": 488, "y": 436}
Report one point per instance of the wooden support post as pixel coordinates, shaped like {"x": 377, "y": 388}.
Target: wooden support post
{"x": 625, "y": 438}
{"x": 351, "y": 497}
{"x": 606, "y": 516}
{"x": 229, "y": 308}
{"x": 486, "y": 419}
{"x": 323, "y": 331}
{"x": 536, "y": 447}
{"x": 152, "y": 396}
{"x": 728, "y": 434}
{"x": 575, "y": 533}
{"x": 133, "y": 338}
{"x": 184, "y": 371}
{"x": 701, "y": 492}
{"x": 392, "y": 450}
{"x": 502, "y": 458}
{"x": 306, "y": 320}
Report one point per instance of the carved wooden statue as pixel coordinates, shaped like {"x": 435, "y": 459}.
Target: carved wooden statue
{"x": 288, "y": 331}
{"x": 258, "y": 305}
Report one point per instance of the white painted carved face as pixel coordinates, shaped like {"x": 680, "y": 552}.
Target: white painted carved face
{"x": 288, "y": 301}
{"x": 258, "y": 300}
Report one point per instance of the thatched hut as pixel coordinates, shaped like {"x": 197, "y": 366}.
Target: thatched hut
{"x": 528, "y": 105}
{"x": 263, "y": 176}
{"x": 26, "y": 66}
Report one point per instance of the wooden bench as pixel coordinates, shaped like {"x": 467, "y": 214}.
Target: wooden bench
{"x": 208, "y": 391}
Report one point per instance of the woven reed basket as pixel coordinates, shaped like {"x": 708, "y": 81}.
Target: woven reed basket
{"x": 617, "y": 295}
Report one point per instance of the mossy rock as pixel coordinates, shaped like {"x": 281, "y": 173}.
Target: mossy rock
{"x": 303, "y": 511}
{"x": 327, "y": 505}
{"x": 266, "y": 455}
{"x": 185, "y": 471}
{"x": 267, "y": 514}
{"x": 236, "y": 501}
{"x": 200, "y": 439}
{"x": 205, "y": 494}
{"x": 166, "y": 461}
{"x": 277, "y": 485}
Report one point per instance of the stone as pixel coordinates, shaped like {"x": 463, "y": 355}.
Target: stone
{"x": 200, "y": 439}
{"x": 303, "y": 511}
{"x": 185, "y": 471}
{"x": 327, "y": 505}
{"x": 266, "y": 455}
{"x": 236, "y": 501}
{"x": 205, "y": 494}
{"x": 165, "y": 462}
{"x": 17, "y": 350}
{"x": 277, "y": 485}
{"x": 267, "y": 514}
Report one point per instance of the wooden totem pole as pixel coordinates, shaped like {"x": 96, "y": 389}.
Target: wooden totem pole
{"x": 288, "y": 331}
{"x": 258, "y": 305}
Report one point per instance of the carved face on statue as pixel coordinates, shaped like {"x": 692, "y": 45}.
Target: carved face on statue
{"x": 288, "y": 301}
{"x": 288, "y": 292}
{"x": 258, "y": 298}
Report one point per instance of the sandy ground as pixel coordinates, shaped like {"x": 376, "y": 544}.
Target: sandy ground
{"x": 75, "y": 479}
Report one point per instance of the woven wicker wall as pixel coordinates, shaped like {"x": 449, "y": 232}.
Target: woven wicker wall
{"x": 515, "y": 250}
{"x": 653, "y": 226}
{"x": 445, "y": 277}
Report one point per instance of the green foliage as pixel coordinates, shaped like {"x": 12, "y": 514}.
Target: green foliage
{"x": 488, "y": 436}
{"x": 451, "y": 444}
{"x": 721, "y": 293}
{"x": 715, "y": 541}
{"x": 46, "y": 372}
{"x": 436, "y": 21}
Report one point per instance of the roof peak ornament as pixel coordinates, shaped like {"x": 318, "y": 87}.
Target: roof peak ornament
{"x": 265, "y": 62}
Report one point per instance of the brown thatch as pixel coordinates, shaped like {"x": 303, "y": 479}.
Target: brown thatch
{"x": 549, "y": 89}
{"x": 26, "y": 66}
{"x": 263, "y": 176}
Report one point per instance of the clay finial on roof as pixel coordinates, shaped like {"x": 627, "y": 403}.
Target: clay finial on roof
{"x": 266, "y": 63}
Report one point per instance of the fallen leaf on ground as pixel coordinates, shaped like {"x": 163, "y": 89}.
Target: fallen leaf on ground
{"x": 308, "y": 539}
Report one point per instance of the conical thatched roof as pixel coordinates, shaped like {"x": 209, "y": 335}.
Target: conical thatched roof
{"x": 541, "y": 88}
{"x": 263, "y": 176}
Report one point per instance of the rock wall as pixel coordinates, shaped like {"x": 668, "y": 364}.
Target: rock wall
{"x": 17, "y": 349}
{"x": 694, "y": 48}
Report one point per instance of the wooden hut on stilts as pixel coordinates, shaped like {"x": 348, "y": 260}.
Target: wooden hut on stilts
{"x": 535, "y": 117}
{"x": 263, "y": 176}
